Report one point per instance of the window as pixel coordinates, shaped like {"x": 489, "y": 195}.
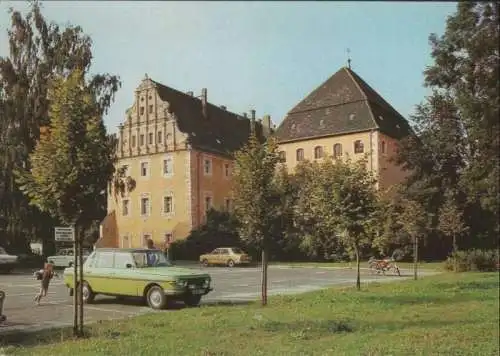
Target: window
{"x": 383, "y": 147}
{"x": 227, "y": 204}
{"x": 144, "y": 169}
{"x": 125, "y": 242}
{"x": 168, "y": 168}
{"x": 282, "y": 156}
{"x": 133, "y": 141}
{"x": 207, "y": 166}
{"x": 141, "y": 140}
{"x": 150, "y": 109}
{"x": 104, "y": 260}
{"x": 227, "y": 170}
{"x": 358, "y": 146}
{"x": 318, "y": 152}
{"x": 141, "y": 110}
{"x": 337, "y": 150}
{"x": 208, "y": 203}
{"x": 147, "y": 240}
{"x": 159, "y": 139}
{"x": 150, "y": 138}
{"x": 144, "y": 206}
{"x": 123, "y": 259}
{"x": 168, "y": 205}
{"x": 299, "y": 154}
{"x": 125, "y": 207}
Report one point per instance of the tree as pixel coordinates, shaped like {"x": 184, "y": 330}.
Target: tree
{"x": 39, "y": 50}
{"x": 457, "y": 126}
{"x": 355, "y": 210}
{"x": 415, "y": 222}
{"x": 256, "y": 197}
{"x": 72, "y": 163}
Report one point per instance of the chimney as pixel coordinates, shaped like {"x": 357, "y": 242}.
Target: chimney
{"x": 204, "y": 102}
{"x": 223, "y": 107}
{"x": 190, "y": 93}
{"x": 266, "y": 125}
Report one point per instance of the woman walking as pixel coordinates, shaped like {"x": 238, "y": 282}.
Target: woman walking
{"x": 44, "y": 276}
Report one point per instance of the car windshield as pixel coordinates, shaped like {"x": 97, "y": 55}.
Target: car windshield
{"x": 153, "y": 258}
{"x": 237, "y": 250}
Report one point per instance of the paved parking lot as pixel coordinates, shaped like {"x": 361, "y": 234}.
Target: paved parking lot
{"x": 230, "y": 285}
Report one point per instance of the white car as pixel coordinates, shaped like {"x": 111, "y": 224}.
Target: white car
{"x": 7, "y": 262}
{"x": 64, "y": 258}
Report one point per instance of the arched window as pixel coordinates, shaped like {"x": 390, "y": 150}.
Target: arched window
{"x": 282, "y": 156}
{"x": 300, "y": 154}
{"x": 337, "y": 150}
{"x": 358, "y": 146}
{"x": 318, "y": 152}
{"x": 382, "y": 147}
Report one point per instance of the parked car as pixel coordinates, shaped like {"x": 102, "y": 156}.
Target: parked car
{"x": 227, "y": 256}
{"x": 64, "y": 257}
{"x": 139, "y": 273}
{"x": 7, "y": 261}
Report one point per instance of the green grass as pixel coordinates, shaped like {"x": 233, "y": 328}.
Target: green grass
{"x": 364, "y": 264}
{"x": 446, "y": 314}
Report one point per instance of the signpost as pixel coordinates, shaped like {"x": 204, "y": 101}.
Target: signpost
{"x": 67, "y": 234}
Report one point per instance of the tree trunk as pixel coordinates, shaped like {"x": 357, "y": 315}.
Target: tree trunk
{"x": 358, "y": 274}
{"x": 75, "y": 288}
{"x": 415, "y": 257}
{"x": 80, "y": 265}
{"x": 455, "y": 249}
{"x": 264, "y": 275}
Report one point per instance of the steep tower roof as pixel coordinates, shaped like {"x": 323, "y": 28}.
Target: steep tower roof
{"x": 343, "y": 104}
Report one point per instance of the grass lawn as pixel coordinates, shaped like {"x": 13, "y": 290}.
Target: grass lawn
{"x": 446, "y": 314}
{"x": 364, "y": 264}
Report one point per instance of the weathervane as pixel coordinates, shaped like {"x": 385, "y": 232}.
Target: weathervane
{"x": 349, "y": 58}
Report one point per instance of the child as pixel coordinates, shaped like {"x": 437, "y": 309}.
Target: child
{"x": 44, "y": 275}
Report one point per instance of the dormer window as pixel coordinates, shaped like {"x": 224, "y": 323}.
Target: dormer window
{"x": 150, "y": 138}
{"x": 133, "y": 141}
{"x": 358, "y": 146}
{"x": 160, "y": 137}
{"x": 141, "y": 140}
{"x": 141, "y": 110}
{"x": 299, "y": 154}
{"x": 150, "y": 109}
{"x": 352, "y": 116}
{"x": 318, "y": 152}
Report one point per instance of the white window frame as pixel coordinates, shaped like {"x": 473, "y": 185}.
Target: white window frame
{"x": 145, "y": 195}
{"x": 228, "y": 172}
{"x": 207, "y": 159}
{"x": 205, "y": 196}
{"x": 129, "y": 207}
{"x": 171, "y": 159}
{"x": 164, "y": 213}
{"x": 148, "y": 173}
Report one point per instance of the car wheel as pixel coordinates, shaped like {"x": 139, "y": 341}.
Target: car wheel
{"x": 87, "y": 293}
{"x": 204, "y": 263}
{"x": 156, "y": 298}
{"x": 230, "y": 263}
{"x": 192, "y": 300}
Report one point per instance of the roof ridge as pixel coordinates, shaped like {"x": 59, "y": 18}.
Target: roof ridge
{"x": 348, "y": 70}
{"x": 329, "y": 106}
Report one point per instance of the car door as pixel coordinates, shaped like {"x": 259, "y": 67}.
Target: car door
{"x": 68, "y": 259}
{"x": 124, "y": 280}
{"x": 213, "y": 257}
{"x": 224, "y": 256}
{"x": 100, "y": 275}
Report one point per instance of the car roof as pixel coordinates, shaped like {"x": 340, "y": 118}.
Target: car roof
{"x": 114, "y": 249}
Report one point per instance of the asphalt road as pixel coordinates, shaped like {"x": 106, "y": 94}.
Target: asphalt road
{"x": 230, "y": 285}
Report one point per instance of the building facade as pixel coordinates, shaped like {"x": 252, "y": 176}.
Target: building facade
{"x": 177, "y": 148}
{"x": 345, "y": 117}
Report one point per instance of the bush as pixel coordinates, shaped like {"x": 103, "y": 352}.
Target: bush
{"x": 473, "y": 260}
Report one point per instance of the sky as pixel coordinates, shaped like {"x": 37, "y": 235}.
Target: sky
{"x": 265, "y": 56}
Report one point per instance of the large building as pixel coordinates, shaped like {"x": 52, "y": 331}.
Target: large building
{"x": 343, "y": 117}
{"x": 177, "y": 148}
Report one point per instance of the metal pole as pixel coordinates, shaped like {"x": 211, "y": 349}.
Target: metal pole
{"x": 75, "y": 289}
{"x": 80, "y": 284}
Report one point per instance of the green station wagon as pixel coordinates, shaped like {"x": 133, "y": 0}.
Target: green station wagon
{"x": 138, "y": 273}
